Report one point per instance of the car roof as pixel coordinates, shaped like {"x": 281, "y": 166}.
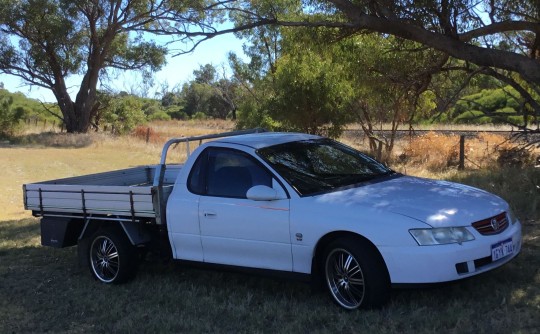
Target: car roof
{"x": 265, "y": 139}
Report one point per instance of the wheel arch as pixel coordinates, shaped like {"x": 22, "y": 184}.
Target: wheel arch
{"x": 333, "y": 236}
{"x": 133, "y": 231}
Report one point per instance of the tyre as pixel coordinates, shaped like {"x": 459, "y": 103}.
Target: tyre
{"x": 112, "y": 258}
{"x": 355, "y": 274}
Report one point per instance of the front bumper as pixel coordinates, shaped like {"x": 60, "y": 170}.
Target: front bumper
{"x": 443, "y": 263}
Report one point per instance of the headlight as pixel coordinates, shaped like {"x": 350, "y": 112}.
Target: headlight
{"x": 441, "y": 236}
{"x": 511, "y": 216}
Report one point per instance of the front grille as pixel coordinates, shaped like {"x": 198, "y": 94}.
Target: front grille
{"x": 492, "y": 225}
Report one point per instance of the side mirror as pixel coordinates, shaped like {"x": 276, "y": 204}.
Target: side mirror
{"x": 262, "y": 193}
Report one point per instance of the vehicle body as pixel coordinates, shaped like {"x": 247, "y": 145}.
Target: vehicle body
{"x": 284, "y": 202}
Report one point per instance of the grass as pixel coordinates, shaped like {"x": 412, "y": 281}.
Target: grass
{"x": 44, "y": 290}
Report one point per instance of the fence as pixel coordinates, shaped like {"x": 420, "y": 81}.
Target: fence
{"x": 465, "y": 142}
{"x": 59, "y": 126}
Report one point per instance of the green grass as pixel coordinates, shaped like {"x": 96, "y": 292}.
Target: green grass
{"x": 44, "y": 290}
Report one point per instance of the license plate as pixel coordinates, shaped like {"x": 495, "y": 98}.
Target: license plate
{"x": 501, "y": 249}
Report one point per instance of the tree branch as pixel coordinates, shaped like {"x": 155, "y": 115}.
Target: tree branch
{"x": 500, "y": 27}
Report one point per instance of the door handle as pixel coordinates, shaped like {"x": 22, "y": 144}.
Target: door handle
{"x": 210, "y": 214}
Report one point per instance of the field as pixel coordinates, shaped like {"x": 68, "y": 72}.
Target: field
{"x": 44, "y": 290}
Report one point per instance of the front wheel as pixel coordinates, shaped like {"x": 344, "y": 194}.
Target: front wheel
{"x": 355, "y": 274}
{"x": 112, "y": 258}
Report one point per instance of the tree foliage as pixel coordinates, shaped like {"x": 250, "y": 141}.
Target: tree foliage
{"x": 498, "y": 38}
{"x": 311, "y": 94}
{"x": 498, "y": 105}
{"x": 46, "y": 41}
{"x": 208, "y": 93}
{"x": 120, "y": 112}
{"x": 10, "y": 116}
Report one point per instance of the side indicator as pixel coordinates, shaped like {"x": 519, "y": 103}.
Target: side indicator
{"x": 299, "y": 236}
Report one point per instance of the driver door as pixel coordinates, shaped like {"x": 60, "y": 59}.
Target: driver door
{"x": 234, "y": 229}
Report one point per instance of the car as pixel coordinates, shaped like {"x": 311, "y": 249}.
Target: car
{"x": 287, "y": 202}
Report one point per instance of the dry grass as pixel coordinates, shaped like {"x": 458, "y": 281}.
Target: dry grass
{"x": 43, "y": 289}
{"x": 174, "y": 129}
{"x": 445, "y": 127}
{"x": 436, "y": 152}
{"x": 24, "y": 164}
{"x": 432, "y": 151}
{"x": 39, "y": 156}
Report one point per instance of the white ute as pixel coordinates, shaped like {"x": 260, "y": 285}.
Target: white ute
{"x": 287, "y": 202}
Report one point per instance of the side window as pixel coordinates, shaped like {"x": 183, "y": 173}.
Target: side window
{"x": 196, "y": 180}
{"x": 231, "y": 173}
{"x": 226, "y": 173}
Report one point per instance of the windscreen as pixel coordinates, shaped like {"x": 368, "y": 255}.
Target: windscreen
{"x": 320, "y": 165}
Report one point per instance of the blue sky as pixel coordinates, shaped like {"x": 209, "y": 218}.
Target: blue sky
{"x": 178, "y": 70}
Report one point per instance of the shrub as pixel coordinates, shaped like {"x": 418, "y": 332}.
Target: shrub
{"x": 147, "y": 134}
{"x": 9, "y": 117}
{"x": 175, "y": 113}
{"x": 518, "y": 120}
{"x": 433, "y": 151}
{"x": 159, "y": 116}
{"x": 514, "y": 157}
{"x": 199, "y": 115}
{"x": 472, "y": 117}
{"x": 123, "y": 114}
{"x": 503, "y": 152}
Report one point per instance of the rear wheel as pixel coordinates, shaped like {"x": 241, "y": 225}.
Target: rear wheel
{"x": 355, "y": 274}
{"x": 112, "y": 258}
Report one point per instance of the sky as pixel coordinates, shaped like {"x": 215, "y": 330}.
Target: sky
{"x": 178, "y": 70}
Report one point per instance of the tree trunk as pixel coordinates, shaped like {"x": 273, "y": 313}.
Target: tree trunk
{"x": 76, "y": 115}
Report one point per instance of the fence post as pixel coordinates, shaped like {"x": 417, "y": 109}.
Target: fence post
{"x": 147, "y": 135}
{"x": 461, "y": 152}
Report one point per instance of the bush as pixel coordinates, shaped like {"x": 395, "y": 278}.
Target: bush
{"x": 147, "y": 134}
{"x": 9, "y": 117}
{"x": 503, "y": 152}
{"x": 177, "y": 114}
{"x": 514, "y": 157}
{"x": 472, "y": 117}
{"x": 124, "y": 114}
{"x": 518, "y": 120}
{"x": 248, "y": 119}
{"x": 492, "y": 99}
{"x": 433, "y": 151}
{"x": 199, "y": 115}
{"x": 159, "y": 116}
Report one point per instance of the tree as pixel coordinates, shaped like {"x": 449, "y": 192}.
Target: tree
{"x": 209, "y": 94}
{"x": 499, "y": 38}
{"x": 462, "y": 29}
{"x": 311, "y": 93}
{"x": 60, "y": 38}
